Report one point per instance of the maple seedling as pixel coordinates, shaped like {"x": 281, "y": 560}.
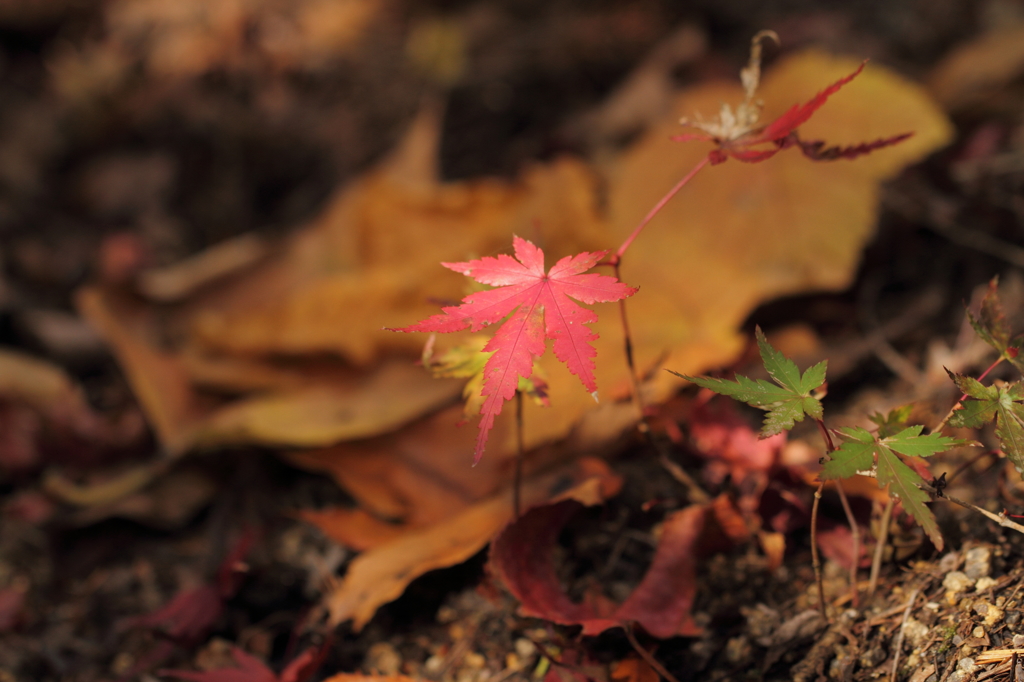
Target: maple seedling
{"x": 536, "y": 306}
{"x": 794, "y": 396}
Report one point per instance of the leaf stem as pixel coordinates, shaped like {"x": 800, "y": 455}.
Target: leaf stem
{"x": 517, "y": 479}
{"x": 657, "y": 208}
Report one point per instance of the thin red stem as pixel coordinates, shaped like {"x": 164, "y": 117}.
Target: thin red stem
{"x": 657, "y": 208}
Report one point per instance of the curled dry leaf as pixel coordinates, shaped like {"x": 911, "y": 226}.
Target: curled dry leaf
{"x": 381, "y": 574}
{"x": 315, "y": 405}
{"x": 39, "y": 399}
{"x": 522, "y": 557}
{"x": 978, "y": 71}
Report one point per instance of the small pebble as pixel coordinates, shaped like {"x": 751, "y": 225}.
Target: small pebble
{"x": 978, "y": 632}
{"x": 433, "y": 665}
{"x": 967, "y": 665}
{"x": 383, "y": 658}
{"x": 978, "y": 562}
{"x": 1018, "y": 641}
{"x": 984, "y": 583}
{"x": 525, "y": 648}
{"x": 474, "y": 660}
{"x": 956, "y": 582}
{"x": 915, "y": 631}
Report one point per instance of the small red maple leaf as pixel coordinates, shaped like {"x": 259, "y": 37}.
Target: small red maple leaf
{"x": 738, "y": 135}
{"x": 539, "y": 306}
{"x": 738, "y": 138}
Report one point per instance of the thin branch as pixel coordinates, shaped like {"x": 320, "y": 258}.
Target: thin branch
{"x": 1000, "y": 519}
{"x": 646, "y": 655}
{"x": 903, "y": 629}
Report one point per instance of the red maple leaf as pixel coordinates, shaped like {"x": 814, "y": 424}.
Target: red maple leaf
{"x": 737, "y": 140}
{"x": 251, "y": 669}
{"x": 539, "y": 306}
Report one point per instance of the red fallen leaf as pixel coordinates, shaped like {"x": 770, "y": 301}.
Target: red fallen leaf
{"x": 721, "y": 435}
{"x": 836, "y": 545}
{"x": 187, "y": 617}
{"x": 190, "y": 614}
{"x": 521, "y": 557}
{"x": 12, "y": 600}
{"x": 539, "y": 306}
{"x": 252, "y": 669}
{"x": 634, "y": 669}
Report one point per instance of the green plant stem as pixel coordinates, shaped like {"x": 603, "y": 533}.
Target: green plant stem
{"x": 883, "y": 536}
{"x": 830, "y": 446}
{"x": 517, "y": 479}
{"x": 815, "y": 556}
{"x": 942, "y": 424}
{"x": 657, "y": 208}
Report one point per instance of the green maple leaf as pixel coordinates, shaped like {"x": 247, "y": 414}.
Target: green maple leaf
{"x": 862, "y": 450}
{"x": 467, "y": 361}
{"x": 891, "y": 423}
{"x": 992, "y": 327}
{"x": 786, "y": 401}
{"x": 1002, "y": 402}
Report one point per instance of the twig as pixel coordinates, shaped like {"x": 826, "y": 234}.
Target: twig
{"x": 1000, "y": 519}
{"x": 855, "y": 532}
{"x": 646, "y": 655}
{"x": 883, "y": 536}
{"x": 899, "y": 638}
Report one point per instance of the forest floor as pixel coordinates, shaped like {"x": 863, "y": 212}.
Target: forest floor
{"x": 133, "y": 137}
